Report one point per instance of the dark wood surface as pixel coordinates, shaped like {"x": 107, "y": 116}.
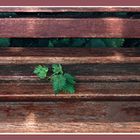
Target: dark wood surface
{"x": 68, "y": 55}
{"x": 108, "y": 81}
{"x": 69, "y": 27}
{"x": 93, "y": 91}
{"x": 70, "y": 117}
{"x": 70, "y": 9}
{"x": 101, "y": 74}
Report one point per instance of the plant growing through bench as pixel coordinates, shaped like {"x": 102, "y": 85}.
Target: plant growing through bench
{"x": 61, "y": 82}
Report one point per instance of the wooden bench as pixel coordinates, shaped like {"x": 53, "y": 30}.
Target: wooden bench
{"x": 108, "y": 79}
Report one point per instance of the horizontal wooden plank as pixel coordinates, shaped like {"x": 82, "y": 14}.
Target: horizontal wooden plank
{"x": 62, "y": 56}
{"x": 82, "y": 72}
{"x": 69, "y": 117}
{"x": 68, "y": 27}
{"x": 70, "y": 9}
{"x": 93, "y": 91}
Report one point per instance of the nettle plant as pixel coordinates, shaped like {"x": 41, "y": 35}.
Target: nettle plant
{"x": 61, "y": 82}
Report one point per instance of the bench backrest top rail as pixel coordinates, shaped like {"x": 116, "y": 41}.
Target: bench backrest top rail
{"x": 70, "y": 9}
{"x": 68, "y": 27}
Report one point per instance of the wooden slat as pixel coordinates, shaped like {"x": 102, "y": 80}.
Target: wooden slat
{"x": 70, "y": 117}
{"x": 70, "y": 9}
{"x": 82, "y": 72}
{"x": 93, "y": 91}
{"x": 101, "y": 74}
{"x": 66, "y": 27}
{"x": 62, "y": 56}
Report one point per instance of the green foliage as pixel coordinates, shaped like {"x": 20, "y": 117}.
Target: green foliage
{"x": 7, "y": 15}
{"x": 4, "y": 42}
{"x": 66, "y": 42}
{"x": 57, "y": 69}
{"x": 83, "y": 42}
{"x": 61, "y": 82}
{"x": 58, "y": 82}
{"x": 100, "y": 43}
{"x": 41, "y": 71}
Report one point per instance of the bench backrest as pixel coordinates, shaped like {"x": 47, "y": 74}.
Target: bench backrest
{"x": 69, "y": 27}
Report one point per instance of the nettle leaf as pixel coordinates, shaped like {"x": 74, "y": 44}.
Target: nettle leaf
{"x": 41, "y": 71}
{"x": 58, "y": 82}
{"x": 69, "y": 88}
{"x": 69, "y": 78}
{"x": 57, "y": 69}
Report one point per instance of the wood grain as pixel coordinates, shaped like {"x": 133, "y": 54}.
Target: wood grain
{"x": 108, "y": 81}
{"x": 93, "y": 91}
{"x": 69, "y": 117}
{"x": 70, "y": 9}
{"x": 68, "y": 27}
{"x": 109, "y": 75}
{"x": 129, "y": 72}
{"x": 62, "y": 56}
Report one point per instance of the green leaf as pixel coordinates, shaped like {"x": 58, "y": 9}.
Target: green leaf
{"x": 58, "y": 82}
{"x": 4, "y": 42}
{"x": 41, "y": 71}
{"x": 96, "y": 43}
{"x": 69, "y": 88}
{"x": 100, "y": 43}
{"x": 78, "y": 42}
{"x": 69, "y": 78}
{"x": 115, "y": 43}
{"x": 50, "y": 45}
{"x": 57, "y": 69}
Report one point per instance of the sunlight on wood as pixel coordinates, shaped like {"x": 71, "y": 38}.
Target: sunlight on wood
{"x": 15, "y": 50}
{"x": 30, "y": 121}
{"x": 119, "y": 56}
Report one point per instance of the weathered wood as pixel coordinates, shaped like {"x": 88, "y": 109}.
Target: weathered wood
{"x": 93, "y": 91}
{"x": 67, "y": 27}
{"x": 70, "y": 9}
{"x": 97, "y": 79}
{"x": 68, "y": 55}
{"x": 70, "y": 117}
{"x": 108, "y": 80}
{"x": 82, "y": 72}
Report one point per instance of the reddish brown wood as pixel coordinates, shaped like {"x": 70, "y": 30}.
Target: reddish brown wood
{"x": 93, "y": 91}
{"x": 77, "y": 55}
{"x": 70, "y": 9}
{"x": 111, "y": 76}
{"x": 127, "y": 69}
{"x": 107, "y": 75}
{"x": 70, "y": 117}
{"x": 66, "y": 27}
{"x": 82, "y": 72}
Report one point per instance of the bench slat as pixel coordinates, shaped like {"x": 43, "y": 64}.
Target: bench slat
{"x": 111, "y": 74}
{"x": 66, "y": 27}
{"x": 82, "y": 72}
{"x": 60, "y": 117}
{"x": 93, "y": 91}
{"x": 70, "y": 9}
{"x": 62, "y": 56}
